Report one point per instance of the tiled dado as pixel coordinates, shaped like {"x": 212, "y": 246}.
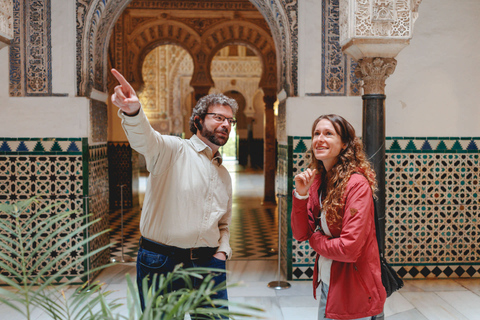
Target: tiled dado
{"x": 433, "y": 216}
{"x": 64, "y": 170}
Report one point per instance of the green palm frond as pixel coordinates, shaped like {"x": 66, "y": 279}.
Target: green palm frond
{"x": 31, "y": 271}
{"x": 160, "y": 304}
{"x": 29, "y": 266}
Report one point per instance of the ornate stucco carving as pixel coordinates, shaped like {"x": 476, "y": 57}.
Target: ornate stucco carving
{"x": 281, "y": 16}
{"x": 95, "y": 20}
{"x": 374, "y": 72}
{"x": 31, "y": 49}
{"x": 167, "y": 71}
{"x": 6, "y": 22}
{"x": 376, "y": 28}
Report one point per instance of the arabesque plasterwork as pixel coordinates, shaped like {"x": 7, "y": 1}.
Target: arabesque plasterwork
{"x": 31, "y": 49}
{"x": 167, "y": 71}
{"x": 370, "y": 28}
{"x": 378, "y": 18}
{"x": 95, "y": 21}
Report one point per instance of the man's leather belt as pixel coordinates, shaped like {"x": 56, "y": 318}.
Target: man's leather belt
{"x": 178, "y": 253}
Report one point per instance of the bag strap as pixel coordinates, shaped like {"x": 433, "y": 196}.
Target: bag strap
{"x": 377, "y": 227}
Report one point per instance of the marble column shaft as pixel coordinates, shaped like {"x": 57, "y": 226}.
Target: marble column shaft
{"x": 374, "y": 72}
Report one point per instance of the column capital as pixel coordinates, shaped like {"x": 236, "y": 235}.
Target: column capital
{"x": 373, "y": 72}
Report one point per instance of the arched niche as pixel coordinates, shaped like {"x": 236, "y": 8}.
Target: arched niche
{"x": 166, "y": 72}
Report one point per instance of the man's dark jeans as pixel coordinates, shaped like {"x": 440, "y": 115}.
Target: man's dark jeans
{"x": 150, "y": 263}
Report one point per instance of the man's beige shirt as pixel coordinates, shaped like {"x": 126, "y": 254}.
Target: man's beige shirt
{"x": 188, "y": 200}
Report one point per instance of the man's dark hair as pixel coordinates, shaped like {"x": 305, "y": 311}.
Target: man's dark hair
{"x": 201, "y": 108}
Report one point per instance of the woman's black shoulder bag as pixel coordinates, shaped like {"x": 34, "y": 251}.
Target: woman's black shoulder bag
{"x": 390, "y": 279}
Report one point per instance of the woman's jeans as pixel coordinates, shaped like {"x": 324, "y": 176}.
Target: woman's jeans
{"x": 150, "y": 263}
{"x": 323, "y": 303}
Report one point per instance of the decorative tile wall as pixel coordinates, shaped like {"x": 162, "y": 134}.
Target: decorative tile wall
{"x": 98, "y": 202}
{"x": 433, "y": 216}
{"x": 62, "y": 170}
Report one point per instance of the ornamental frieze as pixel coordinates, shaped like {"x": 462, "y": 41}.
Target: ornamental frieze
{"x": 220, "y": 5}
{"x": 31, "y": 49}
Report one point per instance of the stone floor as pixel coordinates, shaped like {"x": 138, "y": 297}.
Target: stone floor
{"x": 418, "y": 300}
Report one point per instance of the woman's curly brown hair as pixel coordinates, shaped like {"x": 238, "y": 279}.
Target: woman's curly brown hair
{"x": 352, "y": 159}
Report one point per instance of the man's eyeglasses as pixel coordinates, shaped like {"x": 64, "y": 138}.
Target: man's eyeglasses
{"x": 221, "y": 118}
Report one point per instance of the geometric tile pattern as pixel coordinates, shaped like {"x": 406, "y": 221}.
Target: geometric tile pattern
{"x": 432, "y": 208}
{"x": 432, "y": 211}
{"x": 131, "y": 232}
{"x": 254, "y": 233}
{"x": 438, "y": 271}
{"x": 432, "y": 145}
{"x": 55, "y": 175}
{"x": 44, "y": 146}
{"x": 98, "y": 202}
{"x": 64, "y": 170}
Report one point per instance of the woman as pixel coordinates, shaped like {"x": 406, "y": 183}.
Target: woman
{"x": 333, "y": 209}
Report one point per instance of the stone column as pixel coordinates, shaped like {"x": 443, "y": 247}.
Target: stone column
{"x": 374, "y": 72}
{"x": 269, "y": 150}
{"x": 200, "y": 91}
{"x": 373, "y": 33}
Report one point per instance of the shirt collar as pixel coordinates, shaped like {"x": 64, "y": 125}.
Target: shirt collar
{"x": 201, "y": 146}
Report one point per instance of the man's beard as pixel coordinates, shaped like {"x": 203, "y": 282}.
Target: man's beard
{"x": 212, "y": 137}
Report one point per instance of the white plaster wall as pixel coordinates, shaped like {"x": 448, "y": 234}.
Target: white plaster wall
{"x": 48, "y": 116}
{"x": 435, "y": 88}
{"x": 309, "y": 46}
{"x": 301, "y": 112}
{"x": 434, "y": 91}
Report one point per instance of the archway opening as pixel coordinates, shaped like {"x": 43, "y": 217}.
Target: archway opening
{"x": 236, "y": 71}
{"x": 166, "y": 71}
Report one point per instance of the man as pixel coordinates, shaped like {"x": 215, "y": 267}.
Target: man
{"x": 188, "y": 201}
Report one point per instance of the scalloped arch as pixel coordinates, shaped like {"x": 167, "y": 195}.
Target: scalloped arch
{"x": 151, "y": 35}
{"x": 250, "y": 35}
{"x": 95, "y": 23}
